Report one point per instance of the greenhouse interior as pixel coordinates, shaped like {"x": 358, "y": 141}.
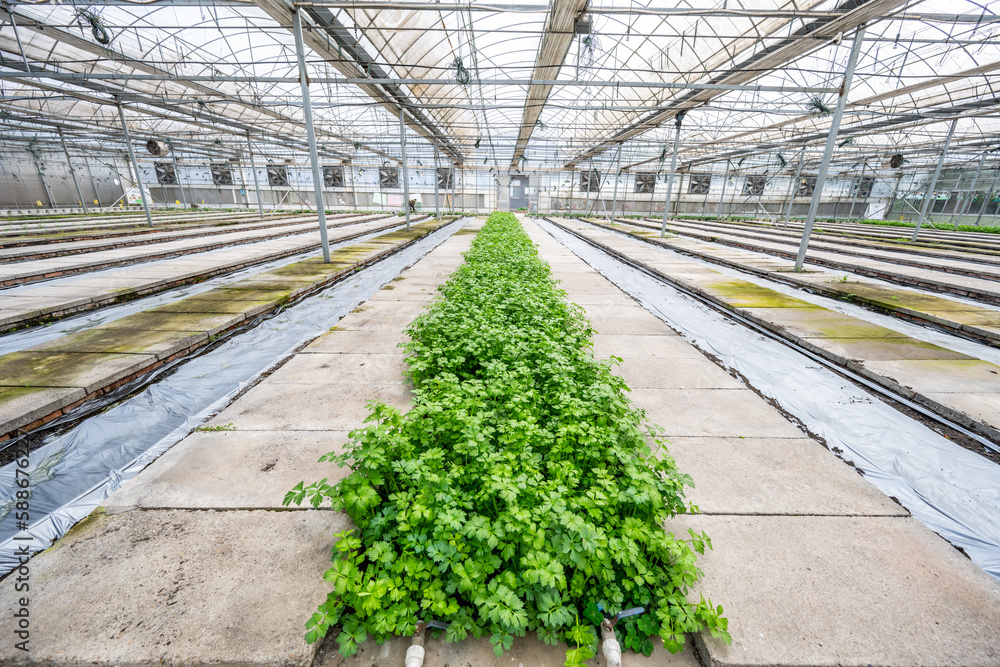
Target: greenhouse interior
{"x": 375, "y": 333}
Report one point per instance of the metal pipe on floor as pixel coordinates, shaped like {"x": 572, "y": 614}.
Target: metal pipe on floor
{"x": 831, "y": 142}
{"x": 72, "y": 171}
{"x": 135, "y": 165}
{"x": 678, "y": 119}
{"x": 929, "y": 193}
{"x": 405, "y": 174}
{"x": 310, "y": 134}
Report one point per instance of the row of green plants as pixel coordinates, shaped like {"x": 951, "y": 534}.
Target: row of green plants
{"x": 521, "y": 492}
{"x": 986, "y": 229}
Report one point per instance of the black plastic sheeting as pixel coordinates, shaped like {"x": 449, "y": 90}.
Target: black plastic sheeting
{"x": 26, "y": 338}
{"x": 951, "y": 490}
{"x": 73, "y": 472}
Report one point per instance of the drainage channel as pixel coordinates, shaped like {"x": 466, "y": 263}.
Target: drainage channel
{"x": 72, "y": 472}
{"x": 953, "y": 491}
{"x": 26, "y": 338}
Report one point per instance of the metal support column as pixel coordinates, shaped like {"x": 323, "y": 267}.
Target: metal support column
{"x": 41, "y": 177}
{"x": 72, "y": 171}
{"x": 831, "y": 142}
{"x": 256, "y": 184}
{"x": 437, "y": 201}
{"x": 405, "y": 175}
{"x": 794, "y": 187}
{"x": 929, "y": 193}
{"x": 177, "y": 177}
{"x": 572, "y": 183}
{"x": 673, "y": 167}
{"x": 722, "y": 197}
{"x": 857, "y": 191}
{"x": 988, "y": 197}
{"x": 967, "y": 202}
{"x": 618, "y": 174}
{"x": 135, "y": 165}
{"x": 310, "y": 134}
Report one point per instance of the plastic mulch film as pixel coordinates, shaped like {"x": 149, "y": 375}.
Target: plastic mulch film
{"x": 73, "y": 472}
{"x": 25, "y": 338}
{"x": 951, "y": 490}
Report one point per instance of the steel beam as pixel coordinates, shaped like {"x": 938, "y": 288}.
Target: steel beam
{"x": 256, "y": 182}
{"x": 405, "y": 174}
{"x": 135, "y": 167}
{"x": 311, "y": 136}
{"x": 556, "y": 40}
{"x": 72, "y": 172}
{"x": 852, "y": 14}
{"x": 831, "y": 142}
{"x": 673, "y": 167}
{"x": 929, "y": 194}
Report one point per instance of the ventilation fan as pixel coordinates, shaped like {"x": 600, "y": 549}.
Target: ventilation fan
{"x": 222, "y": 174}
{"x": 444, "y": 178}
{"x": 754, "y": 186}
{"x": 157, "y": 148}
{"x": 333, "y": 177}
{"x": 806, "y": 187}
{"x": 895, "y": 161}
{"x": 165, "y": 173}
{"x": 863, "y": 187}
{"x": 277, "y": 175}
{"x": 699, "y": 184}
{"x": 590, "y": 181}
{"x": 645, "y": 182}
{"x": 388, "y": 177}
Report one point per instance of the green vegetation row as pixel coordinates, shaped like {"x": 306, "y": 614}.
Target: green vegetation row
{"x": 519, "y": 493}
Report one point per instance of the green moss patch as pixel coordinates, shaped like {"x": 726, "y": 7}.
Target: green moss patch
{"x": 744, "y": 294}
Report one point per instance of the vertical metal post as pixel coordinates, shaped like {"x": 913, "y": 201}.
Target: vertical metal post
{"x": 9, "y": 187}
{"x": 135, "y": 165}
{"x": 572, "y": 183}
{"x": 41, "y": 177}
{"x": 590, "y": 184}
{"x": 256, "y": 184}
{"x": 76, "y": 183}
{"x": 988, "y": 196}
{"x": 463, "y": 191}
{"x": 673, "y": 166}
{"x": 967, "y": 203}
{"x": 704, "y": 202}
{"x": 857, "y": 191}
{"x": 929, "y": 194}
{"x": 794, "y": 187}
{"x": 722, "y": 197}
{"x": 454, "y": 177}
{"x": 310, "y": 134}
{"x": 406, "y": 176}
{"x": 618, "y": 174}
{"x": 177, "y": 177}
{"x": 437, "y": 203}
{"x": 831, "y": 142}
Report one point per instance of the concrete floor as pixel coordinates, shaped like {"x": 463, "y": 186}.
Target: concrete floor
{"x": 190, "y": 563}
{"x": 961, "y": 388}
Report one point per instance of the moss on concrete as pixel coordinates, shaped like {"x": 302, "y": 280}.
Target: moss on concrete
{"x": 121, "y": 337}
{"x": 748, "y": 295}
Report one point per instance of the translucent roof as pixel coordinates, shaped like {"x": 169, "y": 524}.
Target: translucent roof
{"x": 756, "y": 79}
